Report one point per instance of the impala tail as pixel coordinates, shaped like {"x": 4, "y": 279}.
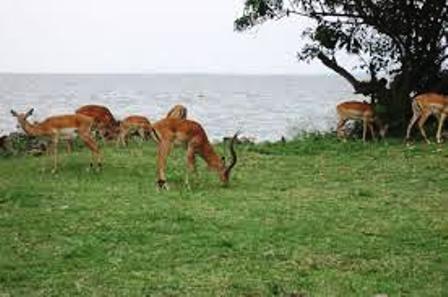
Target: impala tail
{"x": 415, "y": 105}
{"x": 178, "y": 111}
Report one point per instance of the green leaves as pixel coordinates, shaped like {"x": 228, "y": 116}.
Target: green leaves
{"x": 385, "y": 34}
{"x": 402, "y": 43}
{"x": 257, "y": 11}
{"x": 327, "y": 36}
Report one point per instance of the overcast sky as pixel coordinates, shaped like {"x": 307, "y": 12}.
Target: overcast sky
{"x": 136, "y": 36}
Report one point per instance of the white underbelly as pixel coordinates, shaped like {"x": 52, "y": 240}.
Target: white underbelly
{"x": 67, "y": 132}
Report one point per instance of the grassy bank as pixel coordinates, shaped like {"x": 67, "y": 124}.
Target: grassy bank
{"x": 317, "y": 217}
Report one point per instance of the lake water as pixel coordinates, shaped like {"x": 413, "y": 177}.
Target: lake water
{"x": 264, "y": 107}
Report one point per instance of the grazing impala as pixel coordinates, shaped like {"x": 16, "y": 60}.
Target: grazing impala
{"x": 363, "y": 111}
{"x": 105, "y": 122}
{"x": 425, "y": 105}
{"x": 168, "y": 131}
{"x": 137, "y": 123}
{"x": 178, "y": 111}
{"x": 62, "y": 126}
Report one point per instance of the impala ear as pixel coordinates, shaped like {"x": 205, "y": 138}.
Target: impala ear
{"x": 30, "y": 112}
{"x": 14, "y": 113}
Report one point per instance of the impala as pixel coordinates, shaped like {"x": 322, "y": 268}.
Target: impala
{"x": 168, "y": 131}
{"x": 105, "y": 122}
{"x": 62, "y": 126}
{"x": 178, "y": 111}
{"x": 425, "y": 105}
{"x": 137, "y": 123}
{"x": 361, "y": 111}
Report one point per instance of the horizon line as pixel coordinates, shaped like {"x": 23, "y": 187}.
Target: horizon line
{"x": 168, "y": 73}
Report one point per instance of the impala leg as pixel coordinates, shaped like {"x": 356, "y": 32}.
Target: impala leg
{"x": 141, "y": 136}
{"x": 439, "y": 128}
{"x": 49, "y": 148}
{"x": 118, "y": 141}
{"x": 141, "y": 133}
{"x": 364, "y": 129}
{"x": 421, "y": 124}
{"x": 163, "y": 150}
{"x": 121, "y": 137}
{"x": 147, "y": 133}
{"x": 55, "y": 153}
{"x": 93, "y": 147}
{"x": 69, "y": 145}
{"x": 103, "y": 135}
{"x": 372, "y": 131}
{"x": 412, "y": 122}
{"x": 191, "y": 164}
{"x": 125, "y": 138}
{"x": 103, "y": 131}
{"x": 46, "y": 162}
{"x": 339, "y": 131}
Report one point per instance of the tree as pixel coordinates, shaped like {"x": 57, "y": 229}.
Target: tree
{"x": 401, "y": 44}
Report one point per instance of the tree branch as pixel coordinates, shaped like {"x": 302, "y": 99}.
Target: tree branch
{"x": 380, "y": 24}
{"x": 289, "y": 11}
{"x": 335, "y": 14}
{"x": 368, "y": 20}
{"x": 332, "y": 64}
{"x": 366, "y": 88}
{"x": 442, "y": 60}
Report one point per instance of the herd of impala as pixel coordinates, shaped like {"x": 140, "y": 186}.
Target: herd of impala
{"x": 423, "y": 106}
{"x": 175, "y": 128}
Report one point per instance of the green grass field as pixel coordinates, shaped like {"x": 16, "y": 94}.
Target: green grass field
{"x": 313, "y": 217}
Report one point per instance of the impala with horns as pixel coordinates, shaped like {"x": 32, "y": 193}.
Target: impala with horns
{"x": 61, "y": 127}
{"x": 132, "y": 124}
{"x": 178, "y": 111}
{"x": 169, "y": 131}
{"x": 105, "y": 122}
{"x": 425, "y": 105}
{"x": 359, "y": 111}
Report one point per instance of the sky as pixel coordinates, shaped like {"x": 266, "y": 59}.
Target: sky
{"x": 144, "y": 36}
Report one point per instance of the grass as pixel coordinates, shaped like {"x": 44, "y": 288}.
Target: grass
{"x": 313, "y": 217}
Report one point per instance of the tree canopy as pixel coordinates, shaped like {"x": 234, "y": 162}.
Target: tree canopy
{"x": 401, "y": 44}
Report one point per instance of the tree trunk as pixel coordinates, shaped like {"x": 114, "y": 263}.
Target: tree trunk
{"x": 393, "y": 104}
{"x": 396, "y": 111}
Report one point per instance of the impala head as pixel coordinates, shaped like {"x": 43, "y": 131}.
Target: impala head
{"x": 224, "y": 174}
{"x": 112, "y": 130}
{"x": 149, "y": 133}
{"x": 21, "y": 117}
{"x": 383, "y": 131}
{"x": 382, "y": 128}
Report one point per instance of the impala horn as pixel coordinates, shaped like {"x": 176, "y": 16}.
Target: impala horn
{"x": 30, "y": 112}
{"x": 233, "y": 154}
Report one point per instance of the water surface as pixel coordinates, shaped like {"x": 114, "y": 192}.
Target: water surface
{"x": 264, "y": 107}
